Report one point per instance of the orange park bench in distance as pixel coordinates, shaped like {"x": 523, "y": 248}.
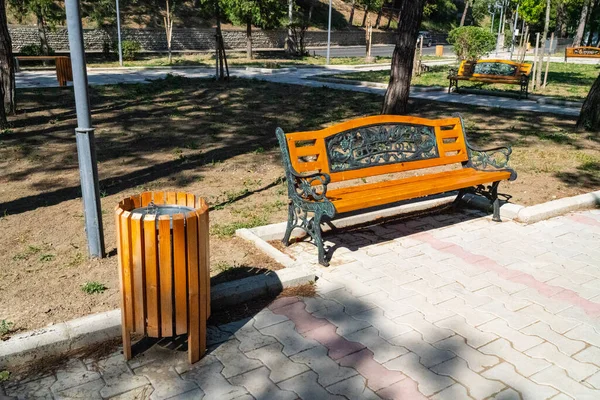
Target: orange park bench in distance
{"x": 367, "y": 147}
{"x": 492, "y": 71}
{"x": 582, "y": 52}
{"x": 64, "y": 72}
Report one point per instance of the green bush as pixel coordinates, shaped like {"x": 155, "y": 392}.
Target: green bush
{"x": 471, "y": 42}
{"x": 130, "y": 49}
{"x": 34, "y": 50}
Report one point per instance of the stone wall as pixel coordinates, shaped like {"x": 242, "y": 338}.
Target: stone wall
{"x": 191, "y": 39}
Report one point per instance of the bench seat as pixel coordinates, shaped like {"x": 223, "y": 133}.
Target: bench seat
{"x": 380, "y": 193}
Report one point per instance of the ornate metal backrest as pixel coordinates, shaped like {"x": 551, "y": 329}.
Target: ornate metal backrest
{"x": 375, "y": 145}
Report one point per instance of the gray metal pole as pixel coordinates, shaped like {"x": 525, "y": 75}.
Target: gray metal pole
{"x": 119, "y": 34}
{"x": 329, "y": 33}
{"x": 84, "y": 133}
{"x": 514, "y": 36}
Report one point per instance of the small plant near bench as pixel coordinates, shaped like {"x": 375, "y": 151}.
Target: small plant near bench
{"x": 93, "y": 287}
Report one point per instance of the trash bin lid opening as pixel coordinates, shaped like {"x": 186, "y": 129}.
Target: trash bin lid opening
{"x": 162, "y": 209}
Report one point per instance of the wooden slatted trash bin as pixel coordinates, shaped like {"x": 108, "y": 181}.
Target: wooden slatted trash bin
{"x": 163, "y": 252}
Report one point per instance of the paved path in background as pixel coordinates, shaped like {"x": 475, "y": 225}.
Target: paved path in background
{"x": 446, "y": 306}
{"x": 300, "y": 76}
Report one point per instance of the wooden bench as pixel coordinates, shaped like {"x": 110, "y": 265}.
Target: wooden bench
{"x": 64, "y": 72}
{"x": 582, "y": 52}
{"x": 492, "y": 71}
{"x": 378, "y": 145}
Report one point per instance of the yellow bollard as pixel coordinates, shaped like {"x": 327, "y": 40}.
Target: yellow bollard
{"x": 439, "y": 50}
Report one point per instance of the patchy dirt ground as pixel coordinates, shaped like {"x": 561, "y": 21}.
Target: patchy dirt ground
{"x": 212, "y": 139}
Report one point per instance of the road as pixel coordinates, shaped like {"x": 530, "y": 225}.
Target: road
{"x": 379, "y": 50}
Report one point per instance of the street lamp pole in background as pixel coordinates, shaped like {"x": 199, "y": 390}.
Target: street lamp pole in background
{"x": 84, "y": 134}
{"x": 329, "y": 33}
{"x": 119, "y": 34}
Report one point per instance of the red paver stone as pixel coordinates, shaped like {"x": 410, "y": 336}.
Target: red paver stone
{"x": 378, "y": 377}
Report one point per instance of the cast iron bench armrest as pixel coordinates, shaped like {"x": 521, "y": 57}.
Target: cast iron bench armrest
{"x": 482, "y": 159}
{"x": 452, "y": 72}
{"x": 306, "y": 185}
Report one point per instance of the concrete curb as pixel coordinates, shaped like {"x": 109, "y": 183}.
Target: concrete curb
{"x": 514, "y": 95}
{"x": 271, "y": 70}
{"x": 538, "y": 212}
{"x": 378, "y": 85}
{"x": 97, "y": 328}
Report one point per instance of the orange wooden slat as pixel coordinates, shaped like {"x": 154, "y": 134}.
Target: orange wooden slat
{"x": 126, "y": 263}
{"x": 159, "y": 197}
{"x": 191, "y": 200}
{"x": 124, "y": 327}
{"x": 166, "y": 275}
{"x": 182, "y": 199}
{"x": 307, "y": 151}
{"x": 171, "y": 198}
{"x": 151, "y": 259}
{"x": 195, "y": 314}
{"x": 146, "y": 198}
{"x": 180, "y": 274}
{"x": 203, "y": 238}
{"x": 137, "y": 253}
{"x": 137, "y": 201}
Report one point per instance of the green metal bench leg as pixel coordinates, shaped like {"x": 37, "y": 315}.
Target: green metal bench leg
{"x": 290, "y": 225}
{"x": 495, "y": 202}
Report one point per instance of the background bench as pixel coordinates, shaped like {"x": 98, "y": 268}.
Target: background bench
{"x": 64, "y": 72}
{"x": 492, "y": 71}
{"x": 582, "y": 52}
{"x": 372, "y": 146}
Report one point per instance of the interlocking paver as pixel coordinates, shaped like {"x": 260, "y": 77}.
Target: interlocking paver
{"x": 589, "y": 355}
{"x": 525, "y": 365}
{"x": 428, "y": 381}
{"x": 38, "y": 389}
{"x": 557, "y": 323}
{"x": 515, "y": 320}
{"x": 306, "y": 386}
{"x": 351, "y": 304}
{"x": 404, "y": 389}
{"x": 528, "y": 389}
{"x": 511, "y": 303}
{"x": 250, "y": 338}
{"x": 575, "y": 369}
{"x": 387, "y": 328}
{"x": 429, "y": 331}
{"x": 432, "y": 313}
{"x": 518, "y": 340}
{"x": 234, "y": 361}
{"x": 476, "y": 360}
{"x": 584, "y": 333}
{"x": 478, "y": 386}
{"x": 281, "y": 366}
{"x": 328, "y": 371}
{"x": 594, "y": 380}
{"x": 473, "y": 316}
{"x": 456, "y": 391}
{"x": 338, "y": 346}
{"x": 428, "y": 355}
{"x": 89, "y": 390}
{"x": 383, "y": 351}
{"x": 392, "y": 308}
{"x": 191, "y": 395}
{"x": 344, "y": 323}
{"x": 213, "y": 383}
{"x": 353, "y": 388}
{"x": 557, "y": 377}
{"x": 118, "y": 377}
{"x": 259, "y": 385}
{"x": 292, "y": 341}
{"x": 471, "y": 283}
{"x": 508, "y": 394}
{"x": 378, "y": 376}
{"x": 267, "y": 318}
{"x": 564, "y": 344}
{"x": 474, "y": 336}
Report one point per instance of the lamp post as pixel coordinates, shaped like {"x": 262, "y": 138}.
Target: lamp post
{"x": 84, "y": 134}
{"x": 119, "y": 34}
{"x": 329, "y": 33}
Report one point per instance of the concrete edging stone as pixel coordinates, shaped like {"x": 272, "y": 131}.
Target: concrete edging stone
{"x": 97, "y": 328}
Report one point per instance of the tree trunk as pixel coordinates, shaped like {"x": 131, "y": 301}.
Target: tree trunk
{"x": 249, "y": 40}
{"x": 396, "y": 96}
{"x": 590, "y": 112}
{"x": 560, "y": 19}
{"x": 378, "y": 20}
{"x": 593, "y": 22}
{"x": 582, "y": 20}
{"x": 7, "y": 70}
{"x": 41, "y": 26}
{"x": 538, "y": 77}
{"x": 364, "y": 23}
{"x": 351, "y": 18}
{"x": 464, "y": 14}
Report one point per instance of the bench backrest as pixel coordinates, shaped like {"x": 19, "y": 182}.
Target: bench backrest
{"x": 376, "y": 145}
{"x": 494, "y": 68}
{"x": 583, "y": 51}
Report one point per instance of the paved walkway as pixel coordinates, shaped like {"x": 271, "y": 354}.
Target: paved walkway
{"x": 299, "y": 76}
{"x": 446, "y": 306}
